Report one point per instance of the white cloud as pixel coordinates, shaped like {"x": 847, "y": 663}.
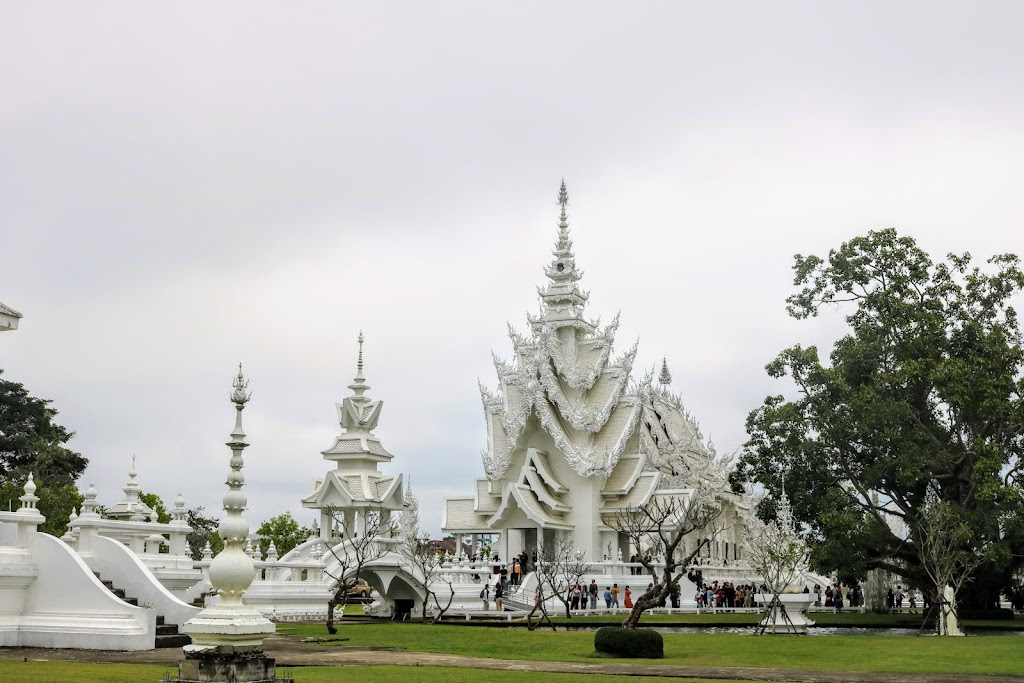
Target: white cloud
{"x": 185, "y": 188}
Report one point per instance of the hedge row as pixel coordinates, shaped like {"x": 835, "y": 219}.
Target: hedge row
{"x": 627, "y": 642}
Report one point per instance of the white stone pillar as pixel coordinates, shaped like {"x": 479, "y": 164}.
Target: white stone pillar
{"x": 29, "y": 516}
{"x": 326, "y": 524}
{"x": 360, "y": 523}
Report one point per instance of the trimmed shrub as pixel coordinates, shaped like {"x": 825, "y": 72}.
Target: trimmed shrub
{"x": 627, "y": 642}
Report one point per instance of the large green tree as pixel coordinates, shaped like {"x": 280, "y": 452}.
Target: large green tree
{"x": 922, "y": 397}
{"x": 284, "y": 531}
{"x": 204, "y": 530}
{"x": 30, "y": 441}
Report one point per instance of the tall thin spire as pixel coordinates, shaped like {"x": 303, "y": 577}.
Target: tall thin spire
{"x": 230, "y": 623}
{"x": 359, "y": 385}
{"x": 562, "y": 298}
{"x": 359, "y": 363}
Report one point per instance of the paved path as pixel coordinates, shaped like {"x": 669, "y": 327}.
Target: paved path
{"x": 292, "y": 652}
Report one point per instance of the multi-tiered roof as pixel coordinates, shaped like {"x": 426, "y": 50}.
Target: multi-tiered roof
{"x": 356, "y": 482}
{"x": 565, "y": 381}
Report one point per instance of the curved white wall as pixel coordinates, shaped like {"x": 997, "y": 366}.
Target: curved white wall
{"x": 125, "y": 570}
{"x": 66, "y": 606}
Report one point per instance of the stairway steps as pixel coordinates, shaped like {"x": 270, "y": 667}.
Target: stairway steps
{"x": 176, "y": 640}
{"x": 167, "y": 635}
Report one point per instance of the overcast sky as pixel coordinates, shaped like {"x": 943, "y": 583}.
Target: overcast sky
{"x": 184, "y": 186}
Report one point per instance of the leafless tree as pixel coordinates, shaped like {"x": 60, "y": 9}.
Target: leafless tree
{"x": 943, "y": 543}
{"x": 354, "y": 552}
{"x": 686, "y": 462}
{"x": 428, "y": 569}
{"x": 779, "y": 554}
{"x": 560, "y": 566}
{"x": 665, "y": 521}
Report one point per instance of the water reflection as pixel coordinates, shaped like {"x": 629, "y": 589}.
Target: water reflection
{"x": 815, "y": 631}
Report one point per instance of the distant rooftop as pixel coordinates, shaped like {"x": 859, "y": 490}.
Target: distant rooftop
{"x": 8, "y": 318}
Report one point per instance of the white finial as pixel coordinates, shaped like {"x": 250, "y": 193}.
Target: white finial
{"x": 207, "y": 551}
{"x": 665, "y": 378}
{"x": 132, "y": 488}
{"x": 359, "y": 385}
{"x": 359, "y": 363}
{"x": 89, "y": 505}
{"x": 29, "y": 500}
{"x": 240, "y": 384}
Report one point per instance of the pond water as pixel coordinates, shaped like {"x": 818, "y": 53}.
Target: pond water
{"x": 815, "y": 631}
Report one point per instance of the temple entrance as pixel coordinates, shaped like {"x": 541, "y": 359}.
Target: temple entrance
{"x": 530, "y": 541}
{"x": 403, "y": 609}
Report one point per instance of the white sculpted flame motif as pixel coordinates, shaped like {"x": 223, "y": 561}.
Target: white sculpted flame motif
{"x": 563, "y": 373}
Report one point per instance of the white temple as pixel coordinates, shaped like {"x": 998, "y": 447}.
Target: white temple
{"x": 572, "y": 437}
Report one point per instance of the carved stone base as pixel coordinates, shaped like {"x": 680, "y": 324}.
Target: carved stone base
{"x": 228, "y": 665}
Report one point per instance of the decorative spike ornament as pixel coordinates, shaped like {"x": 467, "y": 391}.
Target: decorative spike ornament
{"x": 665, "y": 378}
{"x": 229, "y": 626}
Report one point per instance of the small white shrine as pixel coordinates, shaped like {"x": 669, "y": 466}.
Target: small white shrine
{"x": 573, "y": 437}
{"x": 355, "y": 485}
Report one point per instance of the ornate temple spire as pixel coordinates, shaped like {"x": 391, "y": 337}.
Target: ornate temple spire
{"x": 562, "y": 299}
{"x": 665, "y": 378}
{"x": 359, "y": 413}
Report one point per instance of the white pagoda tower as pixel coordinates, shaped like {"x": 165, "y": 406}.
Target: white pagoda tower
{"x": 355, "y": 485}
{"x": 572, "y": 438}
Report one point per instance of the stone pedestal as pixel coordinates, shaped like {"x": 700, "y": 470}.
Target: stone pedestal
{"x": 228, "y": 665}
{"x": 796, "y": 605}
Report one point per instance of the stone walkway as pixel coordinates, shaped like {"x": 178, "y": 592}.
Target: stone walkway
{"x": 290, "y": 652}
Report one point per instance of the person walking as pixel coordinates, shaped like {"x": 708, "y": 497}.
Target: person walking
{"x": 593, "y": 593}
{"x": 615, "y": 595}
{"x": 485, "y": 595}
{"x": 627, "y": 600}
{"x": 607, "y": 597}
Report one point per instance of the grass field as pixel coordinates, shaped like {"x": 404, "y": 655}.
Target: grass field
{"x": 78, "y": 672}
{"x": 980, "y": 655}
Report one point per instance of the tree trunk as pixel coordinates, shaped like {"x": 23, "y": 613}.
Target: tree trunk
{"x": 331, "y": 605}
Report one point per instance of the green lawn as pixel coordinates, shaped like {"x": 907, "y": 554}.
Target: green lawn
{"x": 981, "y": 655}
{"x": 77, "y": 672}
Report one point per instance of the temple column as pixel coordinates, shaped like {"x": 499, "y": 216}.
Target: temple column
{"x": 360, "y": 519}
{"x": 458, "y": 545}
{"x": 326, "y": 524}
